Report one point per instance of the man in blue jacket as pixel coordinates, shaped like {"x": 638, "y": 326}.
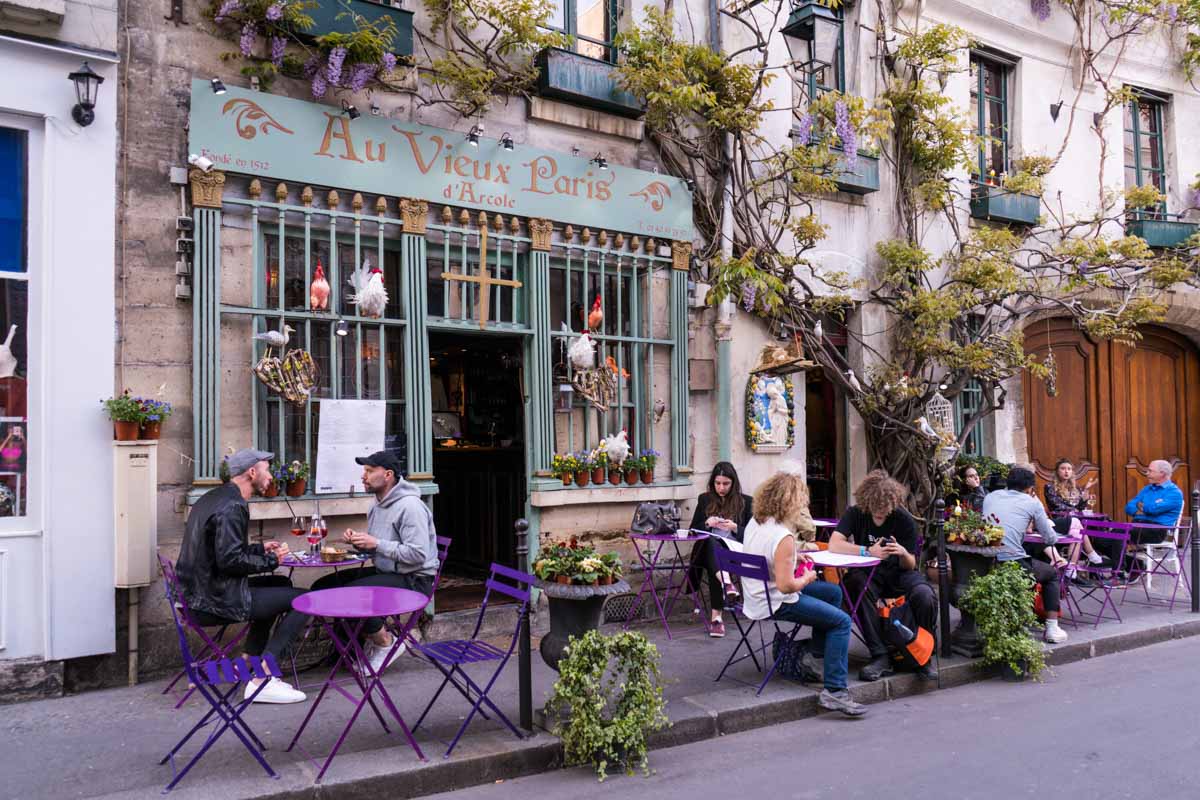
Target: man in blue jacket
{"x": 1158, "y": 503}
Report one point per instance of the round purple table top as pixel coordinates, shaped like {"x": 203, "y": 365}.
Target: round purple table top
{"x": 693, "y": 536}
{"x": 359, "y": 602}
{"x": 296, "y": 560}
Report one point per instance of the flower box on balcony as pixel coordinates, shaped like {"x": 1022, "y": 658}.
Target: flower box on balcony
{"x": 1000, "y": 205}
{"x": 584, "y": 81}
{"x": 863, "y": 179}
{"x": 330, "y": 16}
{"x": 1161, "y": 232}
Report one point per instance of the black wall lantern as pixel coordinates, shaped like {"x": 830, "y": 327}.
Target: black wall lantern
{"x": 812, "y": 33}
{"x": 87, "y": 86}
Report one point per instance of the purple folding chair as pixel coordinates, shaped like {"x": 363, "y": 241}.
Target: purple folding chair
{"x": 212, "y": 644}
{"x": 450, "y": 656}
{"x": 754, "y": 568}
{"x": 443, "y": 549}
{"x": 1105, "y": 579}
{"x": 1163, "y": 559}
{"x": 209, "y": 679}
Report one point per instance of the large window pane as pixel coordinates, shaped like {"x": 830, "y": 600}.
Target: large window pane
{"x": 14, "y": 377}
{"x": 13, "y": 177}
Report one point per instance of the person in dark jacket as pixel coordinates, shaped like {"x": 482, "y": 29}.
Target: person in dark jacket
{"x": 219, "y": 570}
{"x": 973, "y": 492}
{"x": 724, "y": 511}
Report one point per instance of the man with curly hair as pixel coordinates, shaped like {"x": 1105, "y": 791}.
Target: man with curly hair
{"x": 878, "y": 525}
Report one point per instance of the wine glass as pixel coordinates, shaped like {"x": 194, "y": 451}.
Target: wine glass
{"x": 314, "y": 536}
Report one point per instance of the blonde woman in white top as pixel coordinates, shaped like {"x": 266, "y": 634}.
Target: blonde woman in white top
{"x": 780, "y": 513}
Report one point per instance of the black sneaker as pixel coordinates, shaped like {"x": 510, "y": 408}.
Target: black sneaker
{"x": 810, "y": 670}
{"x": 880, "y": 667}
{"x": 927, "y": 672}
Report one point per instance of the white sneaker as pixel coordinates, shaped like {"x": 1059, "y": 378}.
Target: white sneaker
{"x": 276, "y": 691}
{"x": 377, "y": 653}
{"x": 1056, "y": 636}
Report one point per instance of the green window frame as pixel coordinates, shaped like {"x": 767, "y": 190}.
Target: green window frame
{"x": 969, "y": 401}
{"x": 591, "y": 24}
{"x": 455, "y": 250}
{"x": 1145, "y": 156}
{"x": 989, "y": 79}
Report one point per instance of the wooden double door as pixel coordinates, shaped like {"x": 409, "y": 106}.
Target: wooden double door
{"x": 1117, "y": 408}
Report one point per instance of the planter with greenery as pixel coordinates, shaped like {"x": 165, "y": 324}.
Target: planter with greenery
{"x": 607, "y": 698}
{"x": 599, "y": 458}
{"x": 576, "y": 581}
{"x": 126, "y": 415}
{"x": 648, "y": 458}
{"x": 632, "y": 467}
{"x": 1002, "y": 604}
{"x": 564, "y": 466}
{"x": 154, "y": 414}
{"x": 295, "y": 478}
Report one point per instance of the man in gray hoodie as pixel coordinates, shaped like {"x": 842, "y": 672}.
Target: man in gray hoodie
{"x": 401, "y": 535}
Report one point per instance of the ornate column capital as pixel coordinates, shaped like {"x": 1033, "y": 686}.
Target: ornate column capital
{"x": 207, "y": 187}
{"x": 414, "y": 214}
{"x": 681, "y": 256}
{"x": 540, "y": 231}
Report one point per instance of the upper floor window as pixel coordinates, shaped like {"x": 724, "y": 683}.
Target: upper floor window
{"x": 1145, "y": 164}
{"x": 591, "y": 24}
{"x": 989, "y": 111}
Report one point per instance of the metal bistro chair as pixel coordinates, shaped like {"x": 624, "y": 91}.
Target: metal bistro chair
{"x": 1105, "y": 578}
{"x": 209, "y": 679}
{"x": 1164, "y": 559}
{"x": 752, "y": 568}
{"x": 450, "y": 656}
{"x": 214, "y": 645}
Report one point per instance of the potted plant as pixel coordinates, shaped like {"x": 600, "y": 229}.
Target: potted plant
{"x": 599, "y": 458}
{"x": 649, "y": 459}
{"x": 295, "y": 477}
{"x": 564, "y": 466}
{"x": 278, "y": 478}
{"x": 969, "y": 527}
{"x": 154, "y": 414}
{"x": 549, "y": 568}
{"x": 583, "y": 468}
{"x": 632, "y": 467}
{"x": 1002, "y": 604}
{"x": 126, "y": 415}
{"x": 610, "y": 568}
{"x": 608, "y": 696}
{"x": 587, "y": 571}
{"x": 615, "y": 475}
{"x": 570, "y": 576}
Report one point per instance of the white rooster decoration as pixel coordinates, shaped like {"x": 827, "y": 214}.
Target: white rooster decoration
{"x": 369, "y": 293}
{"x": 617, "y": 447}
{"x": 582, "y": 353}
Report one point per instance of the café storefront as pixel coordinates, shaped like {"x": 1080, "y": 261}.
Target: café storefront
{"x": 495, "y": 257}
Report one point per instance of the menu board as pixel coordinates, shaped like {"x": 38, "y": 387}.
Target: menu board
{"x": 348, "y": 429}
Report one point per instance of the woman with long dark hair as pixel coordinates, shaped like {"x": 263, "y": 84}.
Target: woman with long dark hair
{"x": 724, "y": 511}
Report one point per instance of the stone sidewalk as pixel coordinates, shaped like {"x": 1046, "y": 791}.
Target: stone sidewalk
{"x": 107, "y": 743}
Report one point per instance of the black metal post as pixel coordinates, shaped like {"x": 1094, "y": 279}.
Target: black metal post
{"x": 1195, "y": 531}
{"x": 939, "y": 530}
{"x": 524, "y": 663}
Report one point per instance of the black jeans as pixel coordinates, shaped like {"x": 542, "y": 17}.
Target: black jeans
{"x": 369, "y": 576}
{"x": 704, "y": 559}
{"x": 909, "y": 584}
{"x": 271, "y": 598}
{"x": 1047, "y": 576}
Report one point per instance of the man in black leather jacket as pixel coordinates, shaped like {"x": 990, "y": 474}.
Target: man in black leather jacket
{"x": 217, "y": 562}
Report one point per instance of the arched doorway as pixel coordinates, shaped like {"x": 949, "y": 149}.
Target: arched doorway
{"x": 1117, "y": 408}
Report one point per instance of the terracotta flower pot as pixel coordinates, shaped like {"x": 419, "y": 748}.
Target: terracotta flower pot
{"x": 614, "y": 477}
{"x": 647, "y": 476}
{"x": 151, "y": 430}
{"x": 296, "y": 488}
{"x": 566, "y": 579}
{"x": 125, "y": 431}
{"x": 272, "y": 490}
{"x": 606, "y": 580}
{"x": 581, "y": 478}
{"x": 631, "y": 477}
{"x": 566, "y": 478}
{"x": 598, "y": 475}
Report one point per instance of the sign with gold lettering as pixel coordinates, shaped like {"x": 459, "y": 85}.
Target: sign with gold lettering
{"x": 286, "y": 139}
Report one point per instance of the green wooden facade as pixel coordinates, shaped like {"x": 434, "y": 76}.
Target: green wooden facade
{"x": 577, "y": 79}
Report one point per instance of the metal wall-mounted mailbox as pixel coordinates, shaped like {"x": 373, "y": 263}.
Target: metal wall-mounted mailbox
{"x": 135, "y": 490}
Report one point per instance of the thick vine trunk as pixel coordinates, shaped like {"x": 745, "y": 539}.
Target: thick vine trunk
{"x": 906, "y": 456}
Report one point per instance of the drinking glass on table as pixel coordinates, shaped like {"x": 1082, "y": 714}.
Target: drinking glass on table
{"x": 298, "y": 529}
{"x": 314, "y": 537}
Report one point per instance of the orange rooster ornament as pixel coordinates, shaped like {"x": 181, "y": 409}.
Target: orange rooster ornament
{"x": 596, "y": 317}
{"x": 318, "y": 290}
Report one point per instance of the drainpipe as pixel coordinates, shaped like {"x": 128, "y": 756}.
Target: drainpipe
{"x": 723, "y": 327}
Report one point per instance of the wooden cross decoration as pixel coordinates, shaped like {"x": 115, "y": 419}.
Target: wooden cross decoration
{"x": 483, "y": 280}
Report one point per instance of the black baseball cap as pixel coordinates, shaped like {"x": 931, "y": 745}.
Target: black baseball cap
{"x": 385, "y": 459}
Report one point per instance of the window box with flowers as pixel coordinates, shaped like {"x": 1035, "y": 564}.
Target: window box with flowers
{"x": 1014, "y": 198}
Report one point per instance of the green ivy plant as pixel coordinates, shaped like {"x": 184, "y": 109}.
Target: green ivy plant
{"x": 608, "y": 696}
{"x": 1002, "y": 604}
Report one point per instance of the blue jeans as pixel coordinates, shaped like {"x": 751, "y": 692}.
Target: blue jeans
{"x": 820, "y": 605}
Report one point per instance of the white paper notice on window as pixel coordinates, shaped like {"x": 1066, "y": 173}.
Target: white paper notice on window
{"x": 348, "y": 429}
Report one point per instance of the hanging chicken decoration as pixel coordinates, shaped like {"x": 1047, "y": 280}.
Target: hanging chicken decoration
{"x": 318, "y": 290}
{"x": 369, "y": 293}
{"x": 617, "y": 447}
{"x": 582, "y": 353}
{"x": 596, "y": 317}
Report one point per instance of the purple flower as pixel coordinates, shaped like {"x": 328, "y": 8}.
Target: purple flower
{"x": 318, "y": 86}
{"x": 1040, "y": 9}
{"x": 803, "y": 129}
{"x": 333, "y": 68}
{"x": 275, "y": 12}
{"x": 310, "y": 66}
{"x": 389, "y": 62}
{"x": 1171, "y": 10}
{"x": 748, "y": 292}
{"x": 846, "y": 133}
{"x": 248, "y": 37}
{"x": 227, "y": 8}
{"x": 1083, "y": 268}
{"x": 278, "y": 46}
{"x": 360, "y": 74}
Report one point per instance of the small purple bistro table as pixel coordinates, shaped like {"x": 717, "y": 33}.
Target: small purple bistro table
{"x": 652, "y": 561}
{"x": 342, "y": 612}
{"x": 303, "y": 560}
{"x": 840, "y": 562}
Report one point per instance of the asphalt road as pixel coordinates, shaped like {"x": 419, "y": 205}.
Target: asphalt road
{"x": 1122, "y": 726}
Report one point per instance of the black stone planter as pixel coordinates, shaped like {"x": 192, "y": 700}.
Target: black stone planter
{"x": 574, "y": 610}
{"x": 1007, "y": 673}
{"x": 967, "y": 562}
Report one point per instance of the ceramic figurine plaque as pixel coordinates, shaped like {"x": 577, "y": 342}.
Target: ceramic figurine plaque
{"x": 770, "y": 413}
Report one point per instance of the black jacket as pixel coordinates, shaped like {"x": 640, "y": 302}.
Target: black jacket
{"x": 702, "y": 513}
{"x": 216, "y": 558}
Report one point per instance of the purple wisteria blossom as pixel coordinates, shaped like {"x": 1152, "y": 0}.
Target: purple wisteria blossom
{"x": 318, "y": 86}
{"x": 333, "y": 68}
{"x": 311, "y": 65}
{"x": 275, "y": 12}
{"x": 248, "y": 38}
{"x": 1171, "y": 10}
{"x": 278, "y": 46}
{"x": 803, "y": 130}
{"x": 748, "y": 292}
{"x": 360, "y": 74}
{"x": 1040, "y": 9}
{"x": 1083, "y": 268}
{"x": 389, "y": 62}
{"x": 846, "y": 133}
{"x": 227, "y": 8}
